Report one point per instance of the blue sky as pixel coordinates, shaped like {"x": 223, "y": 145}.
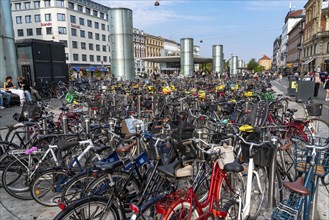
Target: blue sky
{"x": 246, "y": 28}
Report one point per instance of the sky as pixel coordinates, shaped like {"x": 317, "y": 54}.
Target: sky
{"x": 245, "y": 28}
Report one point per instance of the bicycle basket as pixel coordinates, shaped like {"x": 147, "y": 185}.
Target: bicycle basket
{"x": 314, "y": 109}
{"x": 30, "y": 111}
{"x": 69, "y": 97}
{"x": 303, "y": 157}
{"x": 164, "y": 204}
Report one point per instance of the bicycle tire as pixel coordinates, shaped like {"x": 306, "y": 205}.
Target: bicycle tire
{"x": 232, "y": 210}
{"x": 319, "y": 127}
{"x": 81, "y": 209}
{"x": 181, "y": 210}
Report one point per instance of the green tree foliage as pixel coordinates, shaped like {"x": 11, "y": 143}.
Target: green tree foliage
{"x": 254, "y": 66}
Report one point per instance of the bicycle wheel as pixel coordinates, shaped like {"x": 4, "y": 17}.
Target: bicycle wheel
{"x": 47, "y": 186}
{"x": 319, "y": 127}
{"x": 181, "y": 210}
{"x": 232, "y": 209}
{"x": 92, "y": 208}
{"x": 285, "y": 163}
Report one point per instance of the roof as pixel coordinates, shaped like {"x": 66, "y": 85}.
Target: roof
{"x": 294, "y": 14}
{"x": 175, "y": 59}
{"x": 265, "y": 58}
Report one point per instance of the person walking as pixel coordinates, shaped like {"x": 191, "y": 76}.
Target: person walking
{"x": 317, "y": 81}
{"x": 280, "y": 77}
{"x": 326, "y": 87}
{"x": 10, "y": 87}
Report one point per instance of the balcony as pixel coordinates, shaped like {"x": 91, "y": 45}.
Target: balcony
{"x": 323, "y": 34}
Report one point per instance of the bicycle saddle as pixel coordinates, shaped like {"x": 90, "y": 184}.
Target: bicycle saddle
{"x": 235, "y": 166}
{"x": 297, "y": 186}
{"x": 65, "y": 145}
{"x": 108, "y": 168}
{"x": 125, "y": 148}
{"x": 169, "y": 170}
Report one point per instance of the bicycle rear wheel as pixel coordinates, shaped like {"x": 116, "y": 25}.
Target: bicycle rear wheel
{"x": 181, "y": 210}
{"x": 319, "y": 127}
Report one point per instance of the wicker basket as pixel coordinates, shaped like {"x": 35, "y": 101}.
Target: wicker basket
{"x": 314, "y": 109}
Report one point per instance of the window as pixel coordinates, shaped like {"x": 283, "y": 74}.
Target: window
{"x": 82, "y": 33}
{"x": 95, "y": 13}
{"x": 90, "y": 35}
{"x": 91, "y": 47}
{"x": 109, "y": 59}
{"x": 64, "y": 42}
{"x": 37, "y": 4}
{"x": 83, "y": 45}
{"x": 96, "y": 36}
{"x": 105, "y": 58}
{"x": 98, "y": 47}
{"x": 104, "y": 48}
{"x": 84, "y": 57}
{"x": 38, "y": 31}
{"x": 89, "y": 23}
{"x": 47, "y": 3}
{"x": 60, "y": 17}
{"x": 108, "y": 27}
{"x": 96, "y": 25}
{"x": 60, "y": 3}
{"x": 28, "y": 19}
{"x": 101, "y": 15}
{"x": 19, "y": 20}
{"x": 29, "y": 32}
{"x": 91, "y": 58}
{"x": 72, "y": 19}
{"x": 71, "y": 5}
{"x": 62, "y": 30}
{"x": 20, "y": 33}
{"x": 103, "y": 27}
{"x": 66, "y": 56}
{"x": 103, "y": 37}
{"x": 76, "y": 57}
{"x": 80, "y": 8}
{"x": 37, "y": 18}
{"x": 27, "y": 5}
{"x": 88, "y": 11}
{"x": 73, "y": 32}
{"x": 314, "y": 49}
{"x": 98, "y": 58}
{"x": 18, "y": 6}
{"x": 75, "y": 44}
{"x": 81, "y": 21}
{"x": 49, "y": 30}
{"x": 47, "y": 17}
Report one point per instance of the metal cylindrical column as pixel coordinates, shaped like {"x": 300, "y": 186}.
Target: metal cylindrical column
{"x": 8, "y": 58}
{"x": 240, "y": 65}
{"x": 235, "y": 65}
{"x": 217, "y": 58}
{"x": 121, "y": 40}
{"x": 186, "y": 56}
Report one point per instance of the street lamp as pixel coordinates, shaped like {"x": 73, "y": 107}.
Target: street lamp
{"x": 156, "y": 3}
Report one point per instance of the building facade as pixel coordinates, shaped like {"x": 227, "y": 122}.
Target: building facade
{"x": 276, "y": 53}
{"x": 294, "y": 47}
{"x": 170, "y": 48}
{"x": 81, "y": 25}
{"x": 266, "y": 62}
{"x": 316, "y": 36}
{"x": 139, "y": 51}
{"x": 153, "y": 45}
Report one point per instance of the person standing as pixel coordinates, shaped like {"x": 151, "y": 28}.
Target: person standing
{"x": 317, "y": 81}
{"x": 9, "y": 86}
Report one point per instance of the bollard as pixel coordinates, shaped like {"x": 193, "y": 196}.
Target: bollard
{"x": 138, "y": 131}
{"x": 272, "y": 172}
{"x": 153, "y": 106}
{"x": 139, "y": 106}
{"x": 44, "y": 126}
{"x": 87, "y": 123}
{"x": 65, "y": 124}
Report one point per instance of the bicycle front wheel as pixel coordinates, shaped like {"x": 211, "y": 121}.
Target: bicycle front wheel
{"x": 319, "y": 127}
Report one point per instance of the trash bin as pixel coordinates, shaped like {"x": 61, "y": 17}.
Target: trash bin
{"x": 305, "y": 89}
{"x": 292, "y": 85}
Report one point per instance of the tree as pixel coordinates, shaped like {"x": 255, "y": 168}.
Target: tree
{"x": 254, "y": 66}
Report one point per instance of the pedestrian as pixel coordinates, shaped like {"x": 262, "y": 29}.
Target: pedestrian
{"x": 326, "y": 87}
{"x": 6, "y": 95}
{"x": 23, "y": 85}
{"x": 317, "y": 81}
{"x": 10, "y": 87}
{"x": 280, "y": 77}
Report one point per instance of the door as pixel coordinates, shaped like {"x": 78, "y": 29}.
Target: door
{"x": 26, "y": 72}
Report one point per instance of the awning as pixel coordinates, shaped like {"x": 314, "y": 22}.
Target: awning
{"x": 308, "y": 61}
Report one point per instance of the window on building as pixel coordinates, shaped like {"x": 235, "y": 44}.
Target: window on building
{"x": 91, "y": 47}
{"x": 101, "y": 15}
{"x": 96, "y": 36}
{"x": 76, "y": 57}
{"x": 104, "y": 48}
{"x": 108, "y": 27}
{"x": 82, "y": 33}
{"x": 29, "y": 32}
{"x": 105, "y": 58}
{"x": 66, "y": 56}
{"x": 47, "y": 17}
{"x": 18, "y": 6}
{"x": 49, "y": 30}
{"x": 19, "y": 20}
{"x": 103, "y": 37}
{"x": 81, "y": 21}
{"x": 89, "y": 23}
{"x": 91, "y": 58}
{"x": 83, "y": 45}
{"x": 109, "y": 49}
{"x": 88, "y": 11}
{"x": 96, "y": 25}
{"x": 80, "y": 8}
{"x": 107, "y": 17}
{"x": 28, "y": 19}
{"x": 73, "y": 32}
{"x": 84, "y": 57}
{"x": 20, "y": 33}
{"x": 75, "y": 44}
{"x": 47, "y": 3}
{"x": 103, "y": 27}
{"x": 98, "y": 47}
{"x": 60, "y": 17}
{"x": 311, "y": 50}
{"x": 38, "y": 31}
{"x": 64, "y": 42}
{"x": 95, "y": 13}
{"x": 37, "y": 18}
{"x": 71, "y": 5}
{"x": 27, "y": 5}
{"x": 60, "y": 3}
{"x": 73, "y": 19}
{"x": 98, "y": 58}
{"x": 36, "y": 4}
{"x": 314, "y": 52}
{"x": 90, "y": 35}
{"x": 62, "y": 30}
